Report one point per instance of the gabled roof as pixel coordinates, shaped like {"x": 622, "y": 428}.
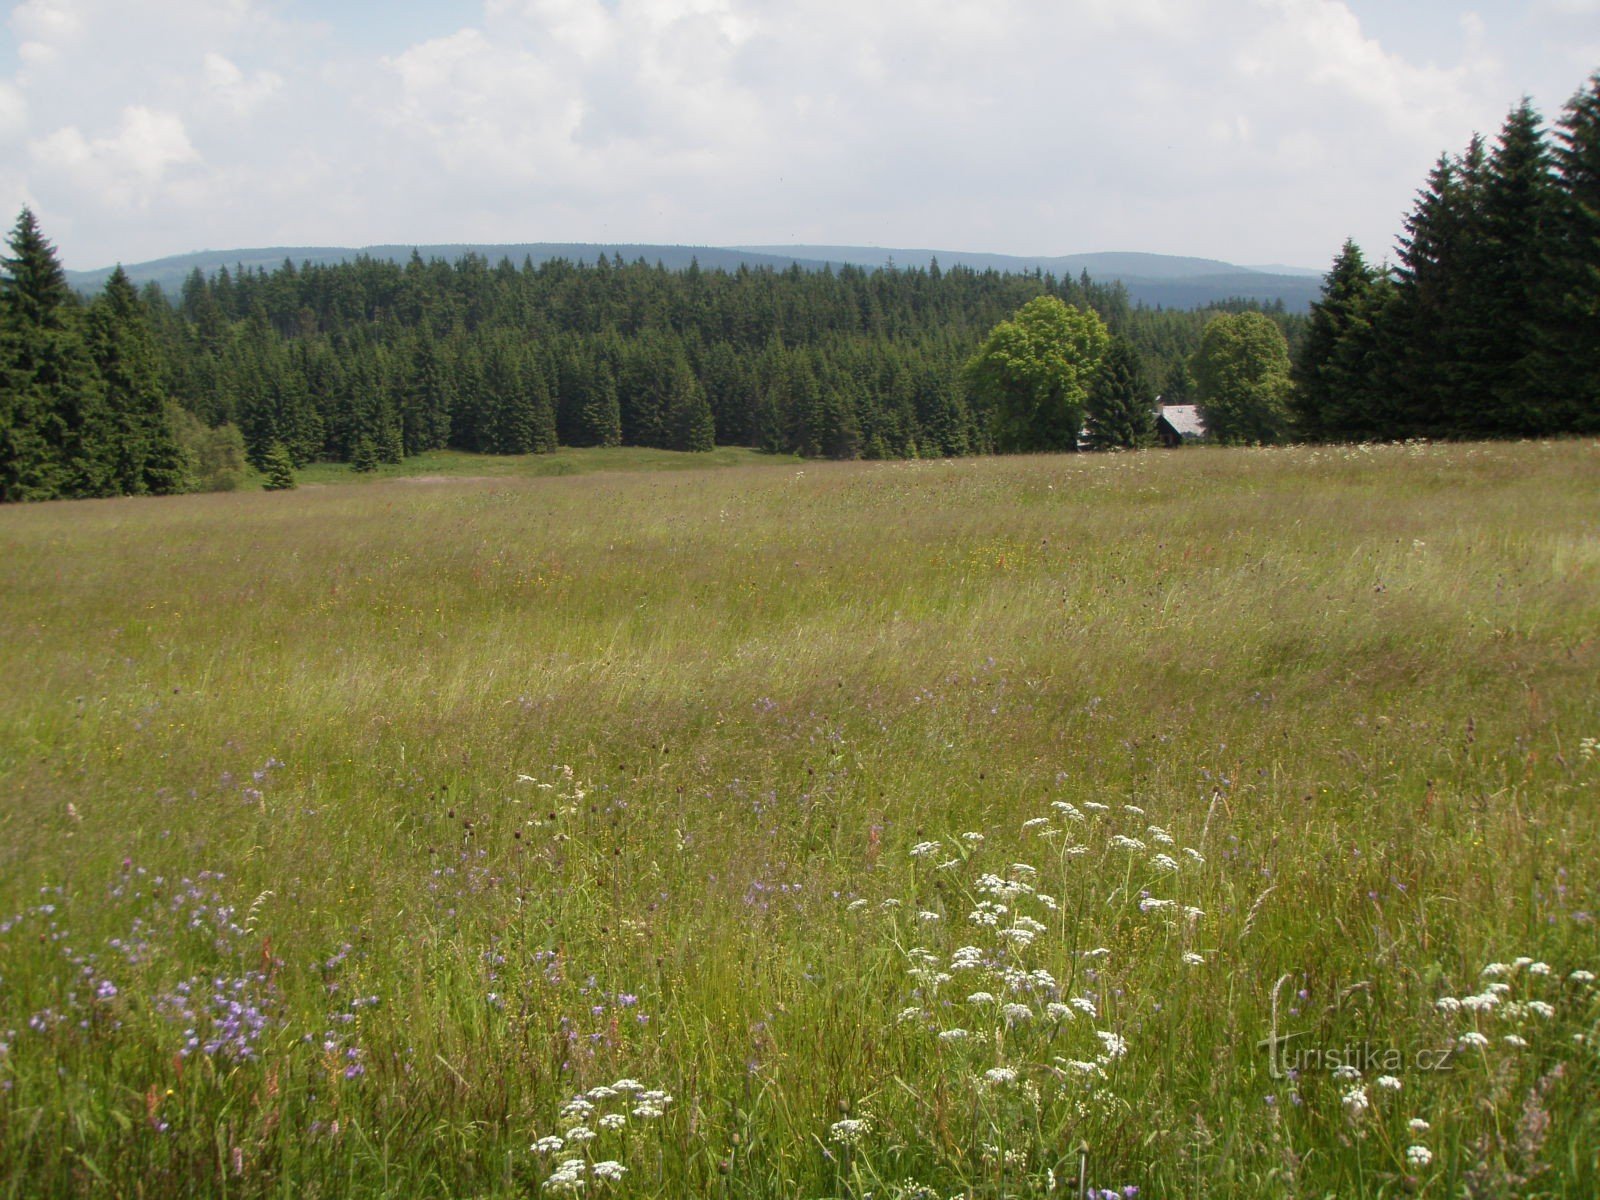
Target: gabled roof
{"x": 1184, "y": 419}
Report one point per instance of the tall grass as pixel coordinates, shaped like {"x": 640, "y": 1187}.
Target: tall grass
{"x": 351, "y": 834}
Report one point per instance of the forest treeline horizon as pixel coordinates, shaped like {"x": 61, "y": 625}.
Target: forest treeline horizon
{"x": 1488, "y": 326}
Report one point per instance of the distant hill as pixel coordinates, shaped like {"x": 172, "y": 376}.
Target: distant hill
{"x": 1168, "y": 281}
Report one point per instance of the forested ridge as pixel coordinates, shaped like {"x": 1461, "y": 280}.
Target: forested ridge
{"x": 1488, "y": 326}
{"x": 369, "y": 361}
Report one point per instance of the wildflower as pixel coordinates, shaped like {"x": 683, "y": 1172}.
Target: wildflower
{"x": 1447, "y": 1004}
{"x": 981, "y": 998}
{"x": 999, "y": 1076}
{"x": 1084, "y": 1005}
{"x": 1418, "y": 1125}
{"x": 1077, "y": 851}
{"x": 579, "y": 1134}
{"x": 1160, "y": 836}
{"x": 1195, "y": 855}
{"x": 1496, "y": 968}
{"x": 1112, "y": 1046}
{"x": 576, "y": 1109}
{"x": 927, "y": 916}
{"x": 909, "y": 1014}
{"x": 1541, "y": 1009}
{"x": 972, "y": 838}
{"x": 1512, "y": 1039}
{"x": 608, "y": 1171}
{"x": 628, "y": 1085}
{"x": 1355, "y": 1101}
{"x": 1539, "y": 968}
{"x": 1345, "y": 1072}
{"x": 1151, "y": 904}
{"x": 1070, "y": 811}
{"x": 1164, "y": 862}
{"x": 855, "y": 906}
{"x": 1193, "y": 959}
{"x": 1581, "y": 976}
{"x": 1473, "y": 1038}
{"x": 1389, "y": 1083}
{"x": 1078, "y": 1067}
{"x": 1020, "y": 936}
{"x": 849, "y": 1131}
{"x": 1016, "y": 1014}
{"x": 549, "y": 1144}
{"x": 1058, "y": 1011}
{"x": 1193, "y": 913}
{"x": 968, "y": 958}
{"x": 1122, "y": 842}
{"x": 601, "y": 1093}
{"x": 1035, "y": 822}
{"x": 1134, "y": 809}
{"x": 1419, "y": 1156}
{"x": 567, "y": 1178}
{"x": 925, "y": 849}
{"x": 953, "y": 1035}
{"x": 1482, "y": 1002}
{"x": 987, "y": 913}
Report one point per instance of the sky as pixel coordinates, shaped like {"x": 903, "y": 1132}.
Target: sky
{"x": 1253, "y": 131}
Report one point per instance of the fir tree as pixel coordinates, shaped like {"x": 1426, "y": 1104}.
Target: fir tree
{"x": 279, "y": 469}
{"x": 1120, "y": 406}
{"x": 54, "y": 435}
{"x": 146, "y": 455}
{"x": 1570, "y": 303}
{"x": 1328, "y": 371}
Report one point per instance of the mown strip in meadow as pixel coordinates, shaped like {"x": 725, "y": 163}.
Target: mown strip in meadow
{"x": 1215, "y": 822}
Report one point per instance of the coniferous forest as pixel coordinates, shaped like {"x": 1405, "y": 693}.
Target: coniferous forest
{"x": 1488, "y": 326}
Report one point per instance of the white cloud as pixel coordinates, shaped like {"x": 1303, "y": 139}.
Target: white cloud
{"x": 239, "y": 93}
{"x": 1255, "y": 130}
{"x": 124, "y": 166}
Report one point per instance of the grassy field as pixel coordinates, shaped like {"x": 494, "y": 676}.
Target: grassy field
{"x": 436, "y": 465}
{"x": 1211, "y": 823}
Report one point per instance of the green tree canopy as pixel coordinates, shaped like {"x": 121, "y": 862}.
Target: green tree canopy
{"x": 1033, "y": 374}
{"x": 1241, "y": 375}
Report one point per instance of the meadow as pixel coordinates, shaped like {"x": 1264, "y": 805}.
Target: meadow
{"x": 1185, "y": 824}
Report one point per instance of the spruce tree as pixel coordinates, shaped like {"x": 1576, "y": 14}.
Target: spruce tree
{"x": 1570, "y": 350}
{"x": 55, "y": 438}
{"x": 1119, "y": 408}
{"x": 1323, "y": 385}
{"x": 146, "y": 455}
{"x": 279, "y": 469}
{"x": 1424, "y": 327}
{"x": 1512, "y": 262}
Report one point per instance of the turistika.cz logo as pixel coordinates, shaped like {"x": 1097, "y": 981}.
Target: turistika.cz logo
{"x": 1289, "y": 1057}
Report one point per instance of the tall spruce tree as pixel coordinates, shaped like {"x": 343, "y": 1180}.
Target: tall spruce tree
{"x": 1512, "y": 261}
{"x": 54, "y": 434}
{"x": 1121, "y": 403}
{"x": 1330, "y": 371}
{"x": 1425, "y": 325}
{"x": 146, "y": 455}
{"x": 1571, "y": 301}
